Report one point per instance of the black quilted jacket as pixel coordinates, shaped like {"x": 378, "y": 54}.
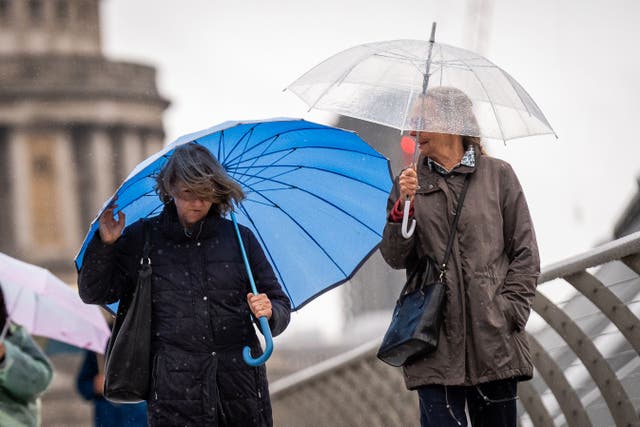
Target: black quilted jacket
{"x": 201, "y": 320}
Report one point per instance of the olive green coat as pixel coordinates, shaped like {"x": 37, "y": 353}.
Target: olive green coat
{"x": 491, "y": 278}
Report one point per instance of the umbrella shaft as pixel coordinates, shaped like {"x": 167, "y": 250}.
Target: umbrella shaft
{"x": 432, "y": 39}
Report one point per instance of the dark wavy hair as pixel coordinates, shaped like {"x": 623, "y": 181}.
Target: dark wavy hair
{"x": 195, "y": 166}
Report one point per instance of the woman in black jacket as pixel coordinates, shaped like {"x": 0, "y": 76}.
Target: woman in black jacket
{"x": 202, "y": 304}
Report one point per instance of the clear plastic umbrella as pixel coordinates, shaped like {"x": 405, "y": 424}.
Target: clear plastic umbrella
{"x": 423, "y": 86}
{"x": 383, "y": 82}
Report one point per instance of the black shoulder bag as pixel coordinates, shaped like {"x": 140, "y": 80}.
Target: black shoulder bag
{"x": 417, "y": 317}
{"x": 127, "y": 359}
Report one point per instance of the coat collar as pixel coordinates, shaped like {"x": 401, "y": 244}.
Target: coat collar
{"x": 173, "y": 230}
{"x": 428, "y": 178}
{"x": 468, "y": 159}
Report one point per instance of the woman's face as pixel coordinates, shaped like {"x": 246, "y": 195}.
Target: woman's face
{"x": 433, "y": 144}
{"x": 190, "y": 207}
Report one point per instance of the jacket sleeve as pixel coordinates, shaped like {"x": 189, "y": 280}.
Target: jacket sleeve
{"x": 25, "y": 372}
{"x": 109, "y": 270}
{"x": 266, "y": 282}
{"x": 520, "y": 246}
{"x": 84, "y": 380}
{"x": 395, "y": 249}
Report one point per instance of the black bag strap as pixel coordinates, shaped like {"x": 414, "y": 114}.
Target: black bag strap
{"x": 454, "y": 226}
{"x": 146, "y": 249}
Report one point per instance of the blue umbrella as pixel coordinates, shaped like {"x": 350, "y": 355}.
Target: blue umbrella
{"x": 315, "y": 199}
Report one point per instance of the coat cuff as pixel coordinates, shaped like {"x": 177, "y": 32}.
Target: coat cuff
{"x": 97, "y": 246}
{"x": 396, "y": 213}
{"x": 279, "y": 319}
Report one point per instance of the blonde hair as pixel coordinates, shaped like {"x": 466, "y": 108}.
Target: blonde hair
{"x": 194, "y": 166}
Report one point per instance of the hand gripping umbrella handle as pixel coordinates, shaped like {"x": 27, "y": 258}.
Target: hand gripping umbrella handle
{"x": 407, "y": 232}
{"x": 264, "y": 322}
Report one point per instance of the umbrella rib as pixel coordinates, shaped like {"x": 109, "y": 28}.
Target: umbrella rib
{"x": 246, "y": 136}
{"x": 256, "y": 158}
{"x": 262, "y": 168}
{"x": 441, "y": 66}
{"x": 518, "y": 111}
{"x": 297, "y": 167}
{"x": 507, "y": 76}
{"x": 339, "y": 282}
{"x": 414, "y": 61}
{"x": 131, "y": 182}
{"x": 488, "y": 97}
{"x": 306, "y": 232}
{"x": 512, "y": 81}
{"x": 266, "y": 248}
{"x": 228, "y": 161}
{"x": 314, "y": 196}
{"x": 338, "y": 81}
{"x": 315, "y": 147}
{"x": 147, "y": 194}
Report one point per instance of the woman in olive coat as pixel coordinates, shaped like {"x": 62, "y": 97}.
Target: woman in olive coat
{"x": 482, "y": 351}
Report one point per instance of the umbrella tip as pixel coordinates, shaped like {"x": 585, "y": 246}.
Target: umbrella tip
{"x": 433, "y": 32}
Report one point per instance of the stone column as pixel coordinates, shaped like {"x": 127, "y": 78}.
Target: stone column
{"x": 152, "y": 143}
{"x": 132, "y": 150}
{"x": 20, "y": 205}
{"x": 67, "y": 193}
{"x": 46, "y": 205}
{"x": 101, "y": 167}
{"x": 7, "y": 195}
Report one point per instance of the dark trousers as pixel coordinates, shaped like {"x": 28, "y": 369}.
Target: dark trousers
{"x": 491, "y": 404}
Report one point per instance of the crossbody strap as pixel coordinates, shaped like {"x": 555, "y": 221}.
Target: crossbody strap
{"x": 454, "y": 226}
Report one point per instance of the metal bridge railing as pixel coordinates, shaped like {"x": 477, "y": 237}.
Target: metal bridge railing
{"x": 584, "y": 335}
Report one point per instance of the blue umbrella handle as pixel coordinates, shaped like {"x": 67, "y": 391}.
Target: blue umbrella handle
{"x": 264, "y": 322}
{"x": 406, "y": 230}
{"x": 246, "y": 351}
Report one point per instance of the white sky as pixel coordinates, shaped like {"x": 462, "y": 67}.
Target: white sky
{"x": 579, "y": 60}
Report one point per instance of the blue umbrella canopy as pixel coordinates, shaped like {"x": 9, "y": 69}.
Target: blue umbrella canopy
{"x": 315, "y": 197}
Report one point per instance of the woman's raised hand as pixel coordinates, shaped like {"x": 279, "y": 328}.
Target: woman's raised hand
{"x": 110, "y": 229}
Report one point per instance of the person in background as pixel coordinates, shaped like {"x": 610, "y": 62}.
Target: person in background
{"x": 492, "y": 273}
{"x": 25, "y": 373}
{"x": 90, "y": 385}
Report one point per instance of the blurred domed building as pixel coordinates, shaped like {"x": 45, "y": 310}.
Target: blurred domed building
{"x": 72, "y": 125}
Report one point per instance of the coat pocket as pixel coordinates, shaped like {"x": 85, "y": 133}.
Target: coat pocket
{"x": 507, "y": 310}
{"x": 186, "y": 381}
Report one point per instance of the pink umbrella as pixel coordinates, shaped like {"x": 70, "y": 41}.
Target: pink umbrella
{"x": 48, "y": 307}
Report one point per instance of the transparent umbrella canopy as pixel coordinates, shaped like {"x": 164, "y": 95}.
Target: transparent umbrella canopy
{"x": 422, "y": 86}
{"x": 384, "y": 83}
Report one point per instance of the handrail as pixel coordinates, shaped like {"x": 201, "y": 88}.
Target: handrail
{"x": 315, "y": 371}
{"x": 599, "y": 255}
{"x": 317, "y": 379}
